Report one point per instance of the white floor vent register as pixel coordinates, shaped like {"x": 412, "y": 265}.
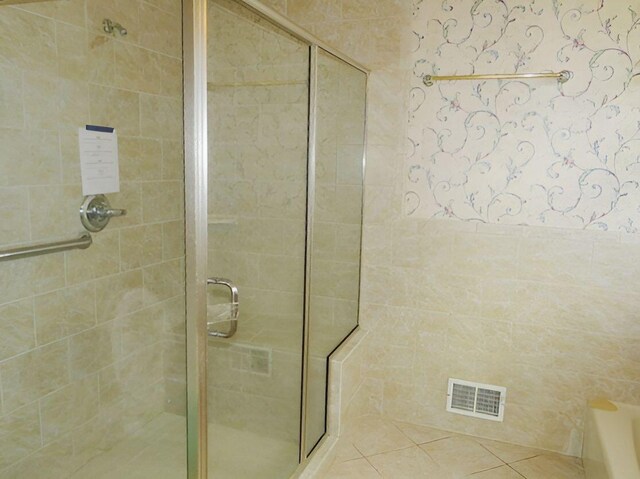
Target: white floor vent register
{"x": 477, "y": 400}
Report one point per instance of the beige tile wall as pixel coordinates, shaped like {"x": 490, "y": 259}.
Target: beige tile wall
{"x": 84, "y": 332}
{"x": 549, "y": 313}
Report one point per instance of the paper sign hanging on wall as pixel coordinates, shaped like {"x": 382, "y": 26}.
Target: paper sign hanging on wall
{"x": 99, "y": 160}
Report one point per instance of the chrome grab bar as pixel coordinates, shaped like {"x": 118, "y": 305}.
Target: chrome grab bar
{"x": 82, "y": 242}
{"x": 235, "y": 309}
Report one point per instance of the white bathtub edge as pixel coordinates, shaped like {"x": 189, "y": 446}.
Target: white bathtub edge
{"x": 609, "y": 451}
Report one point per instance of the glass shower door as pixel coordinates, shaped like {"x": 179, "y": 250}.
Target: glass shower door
{"x": 334, "y": 282}
{"x": 258, "y": 128}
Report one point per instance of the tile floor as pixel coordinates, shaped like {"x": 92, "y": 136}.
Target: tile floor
{"x": 158, "y": 451}
{"x": 373, "y": 447}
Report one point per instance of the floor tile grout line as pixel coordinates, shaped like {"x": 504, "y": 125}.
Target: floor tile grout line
{"x": 429, "y": 455}
{"x": 436, "y": 440}
{"x": 512, "y": 462}
{"x": 383, "y": 452}
{"x": 460, "y": 435}
{"x": 390, "y": 450}
{"x": 492, "y": 453}
{"x": 453, "y": 434}
{"x": 516, "y": 471}
{"x": 487, "y": 470}
{"x": 374, "y": 467}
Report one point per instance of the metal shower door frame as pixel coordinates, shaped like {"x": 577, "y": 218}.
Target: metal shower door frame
{"x": 194, "y": 31}
{"x": 196, "y": 205}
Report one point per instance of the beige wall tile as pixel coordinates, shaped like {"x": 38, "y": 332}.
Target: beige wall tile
{"x": 73, "y": 51}
{"x": 14, "y": 210}
{"x": 137, "y": 371}
{"x": 172, "y": 160}
{"x": 32, "y": 158}
{"x": 173, "y": 245}
{"x": 139, "y": 159}
{"x": 161, "y": 117}
{"x": 57, "y": 223}
{"x": 94, "y": 349}
{"x": 65, "y": 312}
{"x": 162, "y": 201}
{"x": 284, "y": 124}
{"x": 172, "y": 6}
{"x": 69, "y": 407}
{"x": 101, "y": 61}
{"x": 28, "y": 41}
{"x": 140, "y": 246}
{"x": 20, "y": 434}
{"x": 234, "y": 198}
{"x": 118, "y": 295}
{"x": 16, "y": 321}
{"x": 40, "y": 100}
{"x": 73, "y": 104}
{"x": 174, "y": 317}
{"x": 69, "y": 11}
{"x": 281, "y": 273}
{"x": 11, "y": 98}
{"x": 27, "y": 377}
{"x": 281, "y": 200}
{"x": 101, "y": 259}
{"x": 159, "y": 32}
{"x": 42, "y": 275}
{"x": 146, "y": 71}
{"x": 614, "y": 265}
{"x": 302, "y": 11}
{"x": 53, "y": 460}
{"x": 488, "y": 256}
{"x": 119, "y": 109}
{"x": 70, "y": 157}
{"x": 555, "y": 260}
{"x": 381, "y": 162}
{"x": 163, "y": 281}
{"x": 141, "y": 329}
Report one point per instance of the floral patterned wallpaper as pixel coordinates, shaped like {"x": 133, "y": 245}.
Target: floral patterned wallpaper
{"x": 531, "y": 152}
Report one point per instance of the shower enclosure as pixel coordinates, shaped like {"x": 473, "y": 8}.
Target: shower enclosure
{"x": 187, "y": 338}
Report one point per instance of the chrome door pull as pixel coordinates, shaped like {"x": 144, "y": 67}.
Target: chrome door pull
{"x": 234, "y": 311}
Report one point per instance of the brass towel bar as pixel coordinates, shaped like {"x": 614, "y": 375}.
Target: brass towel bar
{"x": 562, "y": 77}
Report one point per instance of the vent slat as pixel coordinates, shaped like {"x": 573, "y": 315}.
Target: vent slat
{"x": 463, "y": 397}
{"x": 488, "y": 402}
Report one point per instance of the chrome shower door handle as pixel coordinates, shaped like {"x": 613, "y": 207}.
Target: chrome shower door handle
{"x": 234, "y": 310}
